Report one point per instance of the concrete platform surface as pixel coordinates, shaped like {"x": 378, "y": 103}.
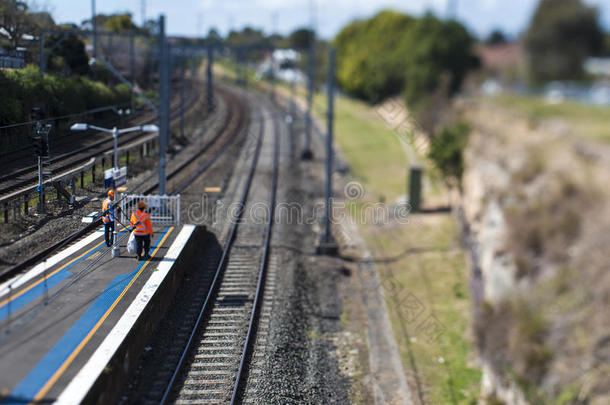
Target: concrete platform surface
{"x": 67, "y": 317}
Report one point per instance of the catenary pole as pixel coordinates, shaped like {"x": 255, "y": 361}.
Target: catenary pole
{"x": 329, "y": 145}
{"x": 163, "y": 103}
{"x": 209, "y": 83}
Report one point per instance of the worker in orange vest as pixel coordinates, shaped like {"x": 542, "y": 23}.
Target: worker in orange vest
{"x": 108, "y": 217}
{"x": 142, "y": 230}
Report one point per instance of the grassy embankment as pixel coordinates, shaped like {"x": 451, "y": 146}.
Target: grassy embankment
{"x": 428, "y": 264}
{"x": 585, "y": 120}
{"x": 427, "y": 261}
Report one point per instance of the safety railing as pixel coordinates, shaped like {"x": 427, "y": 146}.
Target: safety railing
{"x": 163, "y": 209}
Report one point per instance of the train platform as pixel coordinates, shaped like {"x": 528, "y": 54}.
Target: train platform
{"x": 67, "y": 322}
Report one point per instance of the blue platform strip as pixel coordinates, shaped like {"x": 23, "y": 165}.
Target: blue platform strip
{"x": 50, "y": 363}
{"x": 23, "y": 300}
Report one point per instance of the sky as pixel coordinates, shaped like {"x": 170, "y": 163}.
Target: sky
{"x": 196, "y": 17}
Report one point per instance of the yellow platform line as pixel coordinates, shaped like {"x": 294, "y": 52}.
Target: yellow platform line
{"x": 28, "y": 288}
{"x": 43, "y": 391}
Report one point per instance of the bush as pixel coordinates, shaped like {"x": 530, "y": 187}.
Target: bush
{"x": 447, "y": 148}
{"x": 393, "y": 53}
{"x": 23, "y": 88}
{"x": 436, "y": 49}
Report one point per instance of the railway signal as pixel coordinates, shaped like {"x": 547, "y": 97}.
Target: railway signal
{"x": 40, "y": 142}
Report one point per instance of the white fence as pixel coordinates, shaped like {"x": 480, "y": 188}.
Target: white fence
{"x": 163, "y": 209}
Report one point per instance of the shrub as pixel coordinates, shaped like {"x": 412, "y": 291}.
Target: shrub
{"x": 447, "y": 148}
{"x": 22, "y": 88}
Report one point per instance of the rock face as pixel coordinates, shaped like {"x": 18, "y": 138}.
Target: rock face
{"x": 536, "y": 203}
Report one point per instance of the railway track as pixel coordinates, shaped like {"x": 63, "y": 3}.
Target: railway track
{"x": 233, "y": 124}
{"x": 211, "y": 359}
{"x": 24, "y": 179}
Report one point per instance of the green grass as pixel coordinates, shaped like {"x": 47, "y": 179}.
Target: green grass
{"x": 375, "y": 154}
{"x": 585, "y": 120}
{"x": 437, "y": 276}
{"x": 439, "y": 281}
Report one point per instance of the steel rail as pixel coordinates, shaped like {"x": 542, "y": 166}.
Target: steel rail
{"x": 215, "y": 285}
{"x": 260, "y": 286}
{"x": 16, "y": 269}
{"x": 75, "y": 152}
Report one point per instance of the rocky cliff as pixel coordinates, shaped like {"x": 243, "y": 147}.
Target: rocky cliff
{"x": 536, "y": 209}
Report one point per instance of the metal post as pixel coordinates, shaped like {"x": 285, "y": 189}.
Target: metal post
{"x": 42, "y": 55}
{"x": 292, "y": 103}
{"x": 307, "y": 153}
{"x": 93, "y": 21}
{"x": 163, "y": 103}
{"x": 272, "y": 76}
{"x": 132, "y": 65}
{"x": 116, "y": 250}
{"x": 110, "y": 46}
{"x": 182, "y": 93}
{"x": 26, "y": 199}
{"x": 327, "y": 244}
{"x": 115, "y": 137}
{"x": 40, "y": 187}
{"x": 209, "y": 79}
{"x": 237, "y": 67}
{"x": 115, "y": 244}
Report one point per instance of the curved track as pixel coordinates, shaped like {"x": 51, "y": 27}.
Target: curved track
{"x": 232, "y": 125}
{"x": 24, "y": 179}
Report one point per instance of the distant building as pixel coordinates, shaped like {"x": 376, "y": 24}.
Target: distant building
{"x": 12, "y": 59}
{"x": 283, "y": 63}
{"x": 496, "y": 60}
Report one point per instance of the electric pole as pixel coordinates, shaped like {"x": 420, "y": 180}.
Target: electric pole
{"x": 94, "y": 22}
{"x": 328, "y": 245}
{"x": 307, "y": 152}
{"x": 163, "y": 103}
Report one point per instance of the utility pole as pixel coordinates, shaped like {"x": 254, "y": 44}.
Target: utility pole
{"x": 93, "y": 21}
{"x": 272, "y": 75}
{"x": 143, "y": 11}
{"x": 182, "y": 85}
{"x": 209, "y": 86}
{"x": 163, "y": 103}
{"x": 452, "y": 6}
{"x": 307, "y": 152}
{"x": 42, "y": 54}
{"x": 328, "y": 244}
{"x": 132, "y": 65}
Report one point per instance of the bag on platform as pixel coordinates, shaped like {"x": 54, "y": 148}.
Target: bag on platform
{"x": 132, "y": 244}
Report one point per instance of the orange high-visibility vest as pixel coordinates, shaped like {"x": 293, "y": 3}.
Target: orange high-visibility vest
{"x": 140, "y": 220}
{"x": 107, "y": 205}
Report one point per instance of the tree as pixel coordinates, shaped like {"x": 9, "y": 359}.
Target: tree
{"x": 68, "y": 52}
{"x": 300, "y": 39}
{"x": 15, "y": 21}
{"x": 438, "y": 55}
{"x": 371, "y": 61}
{"x": 120, "y": 23}
{"x": 562, "y": 34}
{"x": 496, "y": 37}
{"x": 213, "y": 37}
